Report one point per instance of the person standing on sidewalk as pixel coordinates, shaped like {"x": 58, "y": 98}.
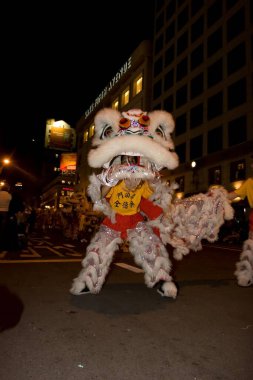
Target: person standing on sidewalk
{"x": 5, "y": 198}
{"x": 244, "y": 267}
{"x": 16, "y": 223}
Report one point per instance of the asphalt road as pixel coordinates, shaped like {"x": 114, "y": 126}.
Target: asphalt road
{"x": 127, "y": 331}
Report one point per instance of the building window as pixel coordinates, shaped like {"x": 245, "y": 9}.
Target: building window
{"x": 137, "y": 85}
{"x": 197, "y": 85}
{"x": 181, "y": 96}
{"x": 237, "y": 171}
{"x": 236, "y": 25}
{"x": 168, "y": 103}
{"x": 182, "y": 69}
{"x": 180, "y": 182}
{"x": 159, "y": 44}
{"x": 237, "y": 131}
{"x": 180, "y": 125}
{"x": 170, "y": 32}
{"x": 214, "y": 42}
{"x": 197, "y": 57}
{"x": 197, "y": 29}
{"x": 214, "y": 175}
{"x": 159, "y": 22}
{"x": 169, "y": 80}
{"x": 181, "y": 152}
{"x": 159, "y": 5}
{"x": 91, "y": 130}
{"x": 170, "y": 10}
{"x": 125, "y": 97}
{"x": 169, "y": 55}
{"x": 197, "y": 116}
{"x": 157, "y": 89}
{"x": 214, "y": 73}
{"x": 85, "y": 136}
{"x": 214, "y": 140}
{"x": 158, "y": 66}
{"x": 182, "y": 43}
{"x": 196, "y": 5}
{"x": 236, "y": 59}
{"x": 182, "y": 18}
{"x": 115, "y": 104}
{"x": 237, "y": 94}
{"x": 230, "y": 3}
{"x": 214, "y": 12}
{"x": 214, "y": 106}
{"x": 196, "y": 147}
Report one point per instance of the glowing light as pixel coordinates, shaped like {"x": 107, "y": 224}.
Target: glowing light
{"x": 180, "y": 195}
{"x": 237, "y": 184}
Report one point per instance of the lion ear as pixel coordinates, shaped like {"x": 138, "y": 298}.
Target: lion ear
{"x": 162, "y": 118}
{"x": 106, "y": 117}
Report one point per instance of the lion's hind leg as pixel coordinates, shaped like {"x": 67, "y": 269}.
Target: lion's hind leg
{"x": 150, "y": 253}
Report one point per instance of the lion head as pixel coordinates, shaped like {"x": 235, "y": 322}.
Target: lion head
{"x": 132, "y": 144}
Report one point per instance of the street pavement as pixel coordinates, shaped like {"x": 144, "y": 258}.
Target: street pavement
{"x": 127, "y": 331}
{"x": 45, "y": 246}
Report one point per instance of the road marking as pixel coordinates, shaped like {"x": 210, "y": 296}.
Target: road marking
{"x": 32, "y": 254}
{"x": 70, "y": 251}
{"x": 130, "y": 267}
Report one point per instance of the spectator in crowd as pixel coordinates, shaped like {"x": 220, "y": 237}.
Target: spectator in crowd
{"x": 31, "y": 220}
{"x": 16, "y": 223}
{"x": 5, "y": 198}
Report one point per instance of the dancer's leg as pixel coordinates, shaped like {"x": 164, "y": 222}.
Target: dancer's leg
{"x": 97, "y": 261}
{"x": 151, "y": 255}
{"x": 244, "y": 267}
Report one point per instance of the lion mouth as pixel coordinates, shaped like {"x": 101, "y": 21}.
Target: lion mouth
{"x": 132, "y": 159}
{"x": 130, "y": 165}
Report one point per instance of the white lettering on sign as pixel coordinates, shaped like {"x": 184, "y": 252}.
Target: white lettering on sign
{"x": 109, "y": 87}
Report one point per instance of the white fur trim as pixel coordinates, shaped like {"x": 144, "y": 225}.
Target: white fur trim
{"x": 152, "y": 150}
{"x": 169, "y": 289}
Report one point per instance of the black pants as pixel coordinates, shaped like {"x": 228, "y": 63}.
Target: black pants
{"x": 3, "y": 229}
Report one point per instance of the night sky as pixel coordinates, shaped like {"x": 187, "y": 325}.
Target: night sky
{"x": 49, "y": 56}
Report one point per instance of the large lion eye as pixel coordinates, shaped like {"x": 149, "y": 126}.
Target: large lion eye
{"x": 160, "y": 132}
{"x": 144, "y": 120}
{"x": 106, "y": 132}
{"x": 124, "y": 122}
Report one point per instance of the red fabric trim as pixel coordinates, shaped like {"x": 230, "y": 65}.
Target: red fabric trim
{"x": 251, "y": 220}
{"x": 123, "y": 223}
{"x": 150, "y": 209}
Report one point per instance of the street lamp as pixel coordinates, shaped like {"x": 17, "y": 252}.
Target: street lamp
{"x": 5, "y": 161}
{"x": 195, "y": 177}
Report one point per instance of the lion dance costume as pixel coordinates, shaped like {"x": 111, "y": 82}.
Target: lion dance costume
{"x": 131, "y": 149}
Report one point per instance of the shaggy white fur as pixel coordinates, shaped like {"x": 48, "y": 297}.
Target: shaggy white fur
{"x": 183, "y": 224}
{"x": 244, "y": 267}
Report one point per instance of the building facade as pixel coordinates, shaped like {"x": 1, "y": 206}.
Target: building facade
{"x": 202, "y": 74}
{"x": 131, "y": 87}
